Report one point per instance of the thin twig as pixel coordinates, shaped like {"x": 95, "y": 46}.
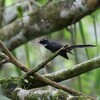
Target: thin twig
{"x": 43, "y": 79}
{"x": 40, "y": 66}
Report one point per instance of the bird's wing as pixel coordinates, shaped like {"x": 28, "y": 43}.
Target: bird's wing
{"x": 56, "y": 45}
{"x": 53, "y": 46}
{"x": 64, "y": 54}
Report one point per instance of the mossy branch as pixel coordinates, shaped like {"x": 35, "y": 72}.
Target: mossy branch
{"x": 72, "y": 72}
{"x": 39, "y": 77}
{"x": 52, "y": 17}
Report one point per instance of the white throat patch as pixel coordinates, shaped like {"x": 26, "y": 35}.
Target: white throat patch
{"x": 44, "y": 45}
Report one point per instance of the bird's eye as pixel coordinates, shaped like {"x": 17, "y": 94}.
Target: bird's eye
{"x": 44, "y": 40}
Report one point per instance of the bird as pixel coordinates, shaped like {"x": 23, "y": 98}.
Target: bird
{"x": 55, "y": 46}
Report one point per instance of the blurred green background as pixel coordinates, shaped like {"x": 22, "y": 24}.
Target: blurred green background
{"x": 87, "y": 31}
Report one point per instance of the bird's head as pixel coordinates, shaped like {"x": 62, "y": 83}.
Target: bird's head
{"x": 44, "y": 42}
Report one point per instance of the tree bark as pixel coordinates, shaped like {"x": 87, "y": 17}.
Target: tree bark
{"x": 51, "y": 17}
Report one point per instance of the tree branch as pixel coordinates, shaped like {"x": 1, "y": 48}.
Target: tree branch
{"x": 68, "y": 73}
{"x": 38, "y": 77}
{"x": 40, "y": 66}
{"x": 51, "y": 17}
{"x": 21, "y": 94}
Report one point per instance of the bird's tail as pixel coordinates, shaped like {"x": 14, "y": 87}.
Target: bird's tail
{"x": 81, "y": 46}
{"x": 68, "y": 50}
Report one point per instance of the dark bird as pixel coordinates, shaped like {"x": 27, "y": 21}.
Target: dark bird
{"x": 54, "y": 46}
